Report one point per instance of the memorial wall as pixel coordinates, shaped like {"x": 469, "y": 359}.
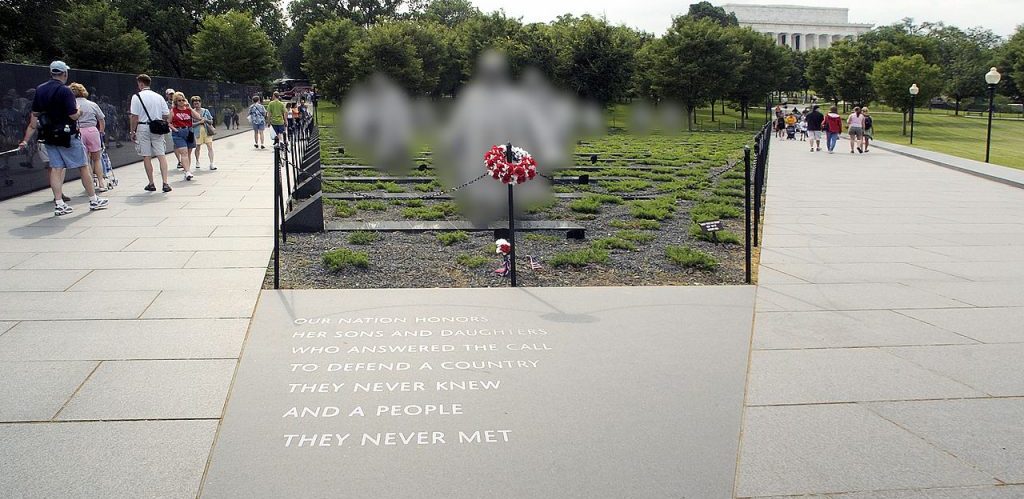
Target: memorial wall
{"x": 23, "y": 171}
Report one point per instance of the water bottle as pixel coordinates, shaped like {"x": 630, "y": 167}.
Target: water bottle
{"x": 67, "y": 129}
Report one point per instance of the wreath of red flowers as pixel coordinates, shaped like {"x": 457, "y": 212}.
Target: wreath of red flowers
{"x": 516, "y": 172}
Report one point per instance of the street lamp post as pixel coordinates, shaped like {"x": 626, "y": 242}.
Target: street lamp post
{"x": 992, "y": 78}
{"x": 913, "y": 101}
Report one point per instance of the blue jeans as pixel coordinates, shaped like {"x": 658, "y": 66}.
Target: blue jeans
{"x": 831, "y": 140}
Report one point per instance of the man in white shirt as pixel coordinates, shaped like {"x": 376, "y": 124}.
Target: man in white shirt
{"x": 145, "y": 106}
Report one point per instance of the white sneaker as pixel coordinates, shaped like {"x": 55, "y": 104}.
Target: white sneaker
{"x": 212, "y": 167}
{"x": 188, "y": 175}
{"x": 61, "y": 209}
{"x": 98, "y": 204}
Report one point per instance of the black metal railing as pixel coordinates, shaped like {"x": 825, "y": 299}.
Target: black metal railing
{"x": 296, "y": 156}
{"x": 754, "y": 169}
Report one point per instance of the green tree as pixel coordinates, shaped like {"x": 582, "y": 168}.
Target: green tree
{"x": 326, "y": 56}
{"x": 704, "y": 10}
{"x": 819, "y": 67}
{"x": 481, "y": 32}
{"x": 596, "y": 59}
{"x": 229, "y": 47}
{"x": 94, "y": 35}
{"x": 410, "y": 53}
{"x": 1010, "y": 62}
{"x": 964, "y": 58}
{"x": 691, "y": 62}
{"x": 903, "y": 38}
{"x": 893, "y": 77}
{"x": 850, "y": 73}
{"x": 27, "y": 25}
{"x": 449, "y": 13}
{"x": 762, "y": 67}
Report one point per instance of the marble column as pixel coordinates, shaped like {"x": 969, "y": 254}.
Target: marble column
{"x": 810, "y": 41}
{"x": 823, "y": 41}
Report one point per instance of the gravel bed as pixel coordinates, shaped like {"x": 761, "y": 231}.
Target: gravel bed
{"x": 401, "y": 260}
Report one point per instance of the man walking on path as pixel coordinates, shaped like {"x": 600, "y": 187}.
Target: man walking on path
{"x": 814, "y": 121}
{"x": 275, "y": 114}
{"x": 148, "y": 105}
{"x": 55, "y": 113}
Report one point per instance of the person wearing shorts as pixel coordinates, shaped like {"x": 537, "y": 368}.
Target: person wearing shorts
{"x": 91, "y": 124}
{"x": 856, "y": 124}
{"x": 147, "y": 105}
{"x": 183, "y": 118}
{"x": 814, "y": 122}
{"x": 54, "y": 109}
{"x": 201, "y": 131}
{"x": 276, "y": 117}
{"x": 258, "y": 120}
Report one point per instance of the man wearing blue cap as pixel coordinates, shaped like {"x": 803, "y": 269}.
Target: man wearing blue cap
{"x": 54, "y": 115}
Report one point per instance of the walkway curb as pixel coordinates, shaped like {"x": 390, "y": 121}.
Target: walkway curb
{"x": 996, "y": 173}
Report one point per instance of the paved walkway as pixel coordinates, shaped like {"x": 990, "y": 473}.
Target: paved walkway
{"x": 887, "y": 342}
{"x": 120, "y": 329}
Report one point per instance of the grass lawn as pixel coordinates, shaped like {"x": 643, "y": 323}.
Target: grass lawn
{"x": 957, "y": 135}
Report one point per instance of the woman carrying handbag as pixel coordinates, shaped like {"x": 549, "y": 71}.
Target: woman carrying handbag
{"x": 203, "y": 131}
{"x": 183, "y": 118}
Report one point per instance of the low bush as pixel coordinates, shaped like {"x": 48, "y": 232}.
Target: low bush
{"x": 721, "y": 237}
{"x": 372, "y": 205}
{"x": 579, "y": 258}
{"x": 340, "y": 258}
{"x": 685, "y": 256}
{"x": 438, "y": 211}
{"x": 635, "y": 224}
{"x": 433, "y": 185}
{"x": 341, "y": 208}
{"x": 706, "y": 212}
{"x": 635, "y": 236}
{"x": 473, "y": 261}
{"x": 388, "y": 187}
{"x": 653, "y": 209}
{"x": 606, "y": 243}
{"x": 585, "y": 205}
{"x": 362, "y": 237}
{"x": 450, "y": 238}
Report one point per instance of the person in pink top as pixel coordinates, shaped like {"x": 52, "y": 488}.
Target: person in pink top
{"x": 856, "y": 124}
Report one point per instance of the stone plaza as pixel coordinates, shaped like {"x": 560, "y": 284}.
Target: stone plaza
{"x": 878, "y": 355}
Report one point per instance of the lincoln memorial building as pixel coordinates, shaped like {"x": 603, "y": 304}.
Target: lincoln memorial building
{"x": 798, "y": 27}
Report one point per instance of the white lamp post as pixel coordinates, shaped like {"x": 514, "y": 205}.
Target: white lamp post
{"x": 913, "y": 101}
{"x": 992, "y": 78}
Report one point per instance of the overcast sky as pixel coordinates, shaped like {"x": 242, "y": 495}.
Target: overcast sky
{"x": 1001, "y": 16}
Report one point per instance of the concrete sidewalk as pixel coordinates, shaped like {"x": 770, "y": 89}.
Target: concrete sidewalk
{"x": 887, "y": 338}
{"x": 120, "y": 329}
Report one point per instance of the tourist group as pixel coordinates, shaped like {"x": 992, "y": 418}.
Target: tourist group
{"x": 810, "y": 124}
{"x": 71, "y": 127}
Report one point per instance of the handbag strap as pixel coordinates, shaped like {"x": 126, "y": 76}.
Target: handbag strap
{"x": 143, "y": 103}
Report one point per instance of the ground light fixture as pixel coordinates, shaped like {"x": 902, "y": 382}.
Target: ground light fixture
{"x": 913, "y": 101}
{"x": 992, "y": 78}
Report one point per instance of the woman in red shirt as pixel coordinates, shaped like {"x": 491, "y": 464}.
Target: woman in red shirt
{"x": 183, "y": 118}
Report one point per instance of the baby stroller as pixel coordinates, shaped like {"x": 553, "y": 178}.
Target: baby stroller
{"x": 790, "y": 132}
{"x": 108, "y": 168}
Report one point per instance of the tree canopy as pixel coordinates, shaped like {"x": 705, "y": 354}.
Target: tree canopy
{"x": 95, "y": 35}
{"x": 229, "y": 47}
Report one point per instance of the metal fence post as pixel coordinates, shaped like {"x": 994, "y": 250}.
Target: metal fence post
{"x": 277, "y": 216}
{"x": 746, "y": 209}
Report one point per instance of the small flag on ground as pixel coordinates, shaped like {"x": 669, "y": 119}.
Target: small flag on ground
{"x": 534, "y": 264}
